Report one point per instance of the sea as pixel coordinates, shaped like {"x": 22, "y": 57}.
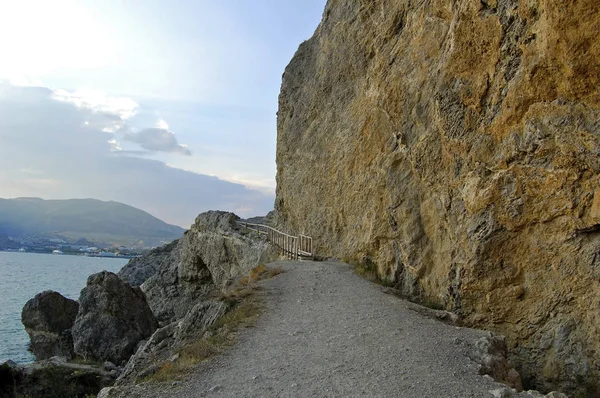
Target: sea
{"x": 23, "y": 275}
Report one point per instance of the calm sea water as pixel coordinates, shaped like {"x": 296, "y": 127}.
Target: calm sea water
{"x": 23, "y": 275}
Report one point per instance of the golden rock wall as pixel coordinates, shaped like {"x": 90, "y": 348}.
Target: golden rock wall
{"x": 456, "y": 146}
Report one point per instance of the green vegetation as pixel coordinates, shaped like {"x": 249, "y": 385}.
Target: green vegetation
{"x": 95, "y": 220}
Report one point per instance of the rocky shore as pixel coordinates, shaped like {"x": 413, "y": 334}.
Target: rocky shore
{"x": 125, "y": 326}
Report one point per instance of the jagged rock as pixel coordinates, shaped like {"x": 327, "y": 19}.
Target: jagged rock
{"x": 213, "y": 252}
{"x": 52, "y": 378}
{"x": 48, "y": 319}
{"x": 266, "y": 220}
{"x": 491, "y": 354}
{"x": 202, "y": 316}
{"x": 163, "y": 344}
{"x": 109, "y": 366}
{"x": 140, "y": 269}
{"x": 156, "y": 349}
{"x": 113, "y": 318}
{"x": 454, "y": 144}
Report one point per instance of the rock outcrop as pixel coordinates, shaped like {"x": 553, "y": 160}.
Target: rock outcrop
{"x": 139, "y": 270}
{"x": 162, "y": 346}
{"x": 53, "y": 378}
{"x": 48, "y": 319}
{"x": 453, "y": 146}
{"x": 199, "y": 319}
{"x": 213, "y": 252}
{"x": 113, "y": 318}
{"x": 115, "y": 322}
{"x": 491, "y": 353}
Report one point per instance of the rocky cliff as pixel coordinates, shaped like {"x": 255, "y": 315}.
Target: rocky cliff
{"x": 113, "y": 323}
{"x": 453, "y": 146}
{"x": 213, "y": 252}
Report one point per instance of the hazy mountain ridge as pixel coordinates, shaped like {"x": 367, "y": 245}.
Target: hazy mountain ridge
{"x": 73, "y": 219}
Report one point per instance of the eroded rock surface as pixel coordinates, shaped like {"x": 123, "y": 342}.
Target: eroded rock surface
{"x": 139, "y": 270}
{"x": 113, "y": 318}
{"x": 453, "y": 146}
{"x": 490, "y": 352}
{"x": 48, "y": 319}
{"x": 182, "y": 280}
{"x": 162, "y": 346}
{"x": 213, "y": 252}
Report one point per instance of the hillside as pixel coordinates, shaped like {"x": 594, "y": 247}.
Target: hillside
{"x": 452, "y": 148}
{"x": 74, "y": 219}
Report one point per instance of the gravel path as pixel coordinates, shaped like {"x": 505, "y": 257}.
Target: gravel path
{"x": 326, "y": 332}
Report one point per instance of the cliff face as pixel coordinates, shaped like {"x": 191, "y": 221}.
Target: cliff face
{"x": 454, "y": 145}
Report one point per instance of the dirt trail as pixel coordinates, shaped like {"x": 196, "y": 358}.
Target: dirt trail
{"x": 326, "y": 332}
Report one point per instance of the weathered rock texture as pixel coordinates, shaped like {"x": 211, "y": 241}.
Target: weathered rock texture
{"x": 48, "y": 319}
{"x": 113, "y": 318}
{"x": 163, "y": 345}
{"x": 52, "y": 378}
{"x": 213, "y": 252}
{"x": 455, "y": 146}
{"x": 491, "y": 354}
{"x": 139, "y": 270}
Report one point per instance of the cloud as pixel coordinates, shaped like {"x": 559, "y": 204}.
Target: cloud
{"x": 157, "y": 139}
{"x": 98, "y": 102}
{"x": 162, "y": 124}
{"x": 47, "y": 150}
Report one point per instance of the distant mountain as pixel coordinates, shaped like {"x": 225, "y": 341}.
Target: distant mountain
{"x": 84, "y": 220}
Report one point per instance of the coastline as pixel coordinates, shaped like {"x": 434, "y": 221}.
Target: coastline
{"x": 25, "y": 275}
{"x": 119, "y": 256}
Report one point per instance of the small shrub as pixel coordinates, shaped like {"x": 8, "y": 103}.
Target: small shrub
{"x": 262, "y": 272}
{"x": 168, "y": 371}
{"x": 242, "y": 315}
{"x": 257, "y": 272}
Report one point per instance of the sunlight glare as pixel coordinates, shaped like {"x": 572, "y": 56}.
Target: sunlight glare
{"x": 38, "y": 38}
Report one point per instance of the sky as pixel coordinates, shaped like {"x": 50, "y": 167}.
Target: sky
{"x": 168, "y": 106}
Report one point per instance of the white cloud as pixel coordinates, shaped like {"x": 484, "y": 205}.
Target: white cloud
{"x": 114, "y": 145}
{"x": 47, "y": 150}
{"x": 162, "y": 124}
{"x": 99, "y": 102}
{"x": 157, "y": 139}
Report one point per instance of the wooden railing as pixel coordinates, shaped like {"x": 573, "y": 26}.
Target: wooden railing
{"x": 293, "y": 247}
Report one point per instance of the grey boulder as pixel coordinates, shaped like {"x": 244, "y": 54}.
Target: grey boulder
{"x": 113, "y": 318}
{"x": 48, "y": 319}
